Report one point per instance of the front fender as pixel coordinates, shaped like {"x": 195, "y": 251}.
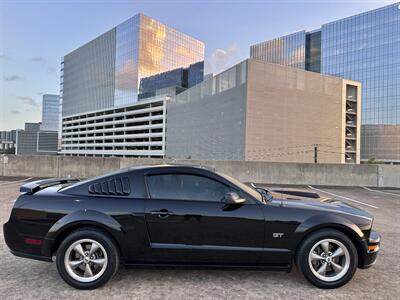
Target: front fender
{"x": 326, "y": 221}
{"x": 335, "y": 222}
{"x": 81, "y": 218}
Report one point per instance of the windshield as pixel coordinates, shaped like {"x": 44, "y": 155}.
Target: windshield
{"x": 243, "y": 186}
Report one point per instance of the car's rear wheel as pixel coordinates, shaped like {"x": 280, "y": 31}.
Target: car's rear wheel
{"x": 87, "y": 259}
{"x": 327, "y": 258}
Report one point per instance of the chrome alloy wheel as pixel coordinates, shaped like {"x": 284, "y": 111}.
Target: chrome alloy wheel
{"x": 329, "y": 260}
{"x": 85, "y": 260}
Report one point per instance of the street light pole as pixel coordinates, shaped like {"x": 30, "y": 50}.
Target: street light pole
{"x": 315, "y": 153}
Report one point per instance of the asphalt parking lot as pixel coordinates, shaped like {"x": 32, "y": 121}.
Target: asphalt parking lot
{"x": 23, "y": 278}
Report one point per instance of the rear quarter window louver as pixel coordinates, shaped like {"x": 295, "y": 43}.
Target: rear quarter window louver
{"x": 113, "y": 187}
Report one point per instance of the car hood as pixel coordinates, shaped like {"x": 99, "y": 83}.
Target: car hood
{"x": 322, "y": 204}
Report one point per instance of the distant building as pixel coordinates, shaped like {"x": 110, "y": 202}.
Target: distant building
{"x": 208, "y": 76}
{"x": 253, "y": 111}
{"x": 107, "y": 72}
{"x": 180, "y": 79}
{"x": 258, "y": 111}
{"x": 7, "y": 141}
{"x": 383, "y": 139}
{"x": 365, "y": 48}
{"x": 26, "y": 139}
{"x": 113, "y": 89}
{"x": 135, "y": 130}
{"x": 50, "y": 112}
{"x": 40, "y": 138}
{"x": 33, "y": 141}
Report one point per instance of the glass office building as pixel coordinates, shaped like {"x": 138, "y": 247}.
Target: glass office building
{"x": 107, "y": 71}
{"x": 313, "y": 51}
{"x": 50, "y": 108}
{"x": 180, "y": 78}
{"x": 288, "y": 50}
{"x": 365, "y": 48}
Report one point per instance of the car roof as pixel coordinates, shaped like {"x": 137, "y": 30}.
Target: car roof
{"x": 150, "y": 167}
{"x": 167, "y": 165}
{"x": 81, "y": 186}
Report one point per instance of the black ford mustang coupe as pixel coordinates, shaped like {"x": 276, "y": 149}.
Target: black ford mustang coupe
{"x": 185, "y": 216}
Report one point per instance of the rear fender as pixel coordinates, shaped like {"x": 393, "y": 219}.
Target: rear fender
{"x": 81, "y": 218}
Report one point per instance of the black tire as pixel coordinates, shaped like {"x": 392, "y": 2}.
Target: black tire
{"x": 302, "y": 258}
{"x": 101, "y": 238}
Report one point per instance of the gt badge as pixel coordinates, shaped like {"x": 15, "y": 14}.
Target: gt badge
{"x": 277, "y": 234}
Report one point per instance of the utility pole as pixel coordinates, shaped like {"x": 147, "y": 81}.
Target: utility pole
{"x": 315, "y": 153}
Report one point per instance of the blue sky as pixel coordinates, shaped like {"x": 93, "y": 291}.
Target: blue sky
{"x": 34, "y": 35}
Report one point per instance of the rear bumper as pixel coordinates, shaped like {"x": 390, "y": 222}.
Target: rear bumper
{"x": 15, "y": 242}
{"x": 8, "y": 234}
{"x": 371, "y": 256}
{"x": 31, "y": 256}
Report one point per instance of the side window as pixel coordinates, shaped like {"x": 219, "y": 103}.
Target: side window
{"x": 186, "y": 187}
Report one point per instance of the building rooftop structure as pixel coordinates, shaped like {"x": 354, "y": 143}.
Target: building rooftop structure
{"x": 259, "y": 111}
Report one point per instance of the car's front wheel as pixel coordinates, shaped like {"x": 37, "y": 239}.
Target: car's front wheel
{"x": 87, "y": 259}
{"x": 327, "y": 258}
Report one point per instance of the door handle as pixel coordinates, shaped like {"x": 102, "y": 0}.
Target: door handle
{"x": 163, "y": 213}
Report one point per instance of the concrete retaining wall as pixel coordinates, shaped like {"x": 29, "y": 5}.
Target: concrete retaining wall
{"x": 258, "y": 172}
{"x": 85, "y": 167}
{"x": 391, "y": 176}
{"x": 29, "y": 165}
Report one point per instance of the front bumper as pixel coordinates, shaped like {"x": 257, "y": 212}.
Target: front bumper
{"x": 372, "y": 249}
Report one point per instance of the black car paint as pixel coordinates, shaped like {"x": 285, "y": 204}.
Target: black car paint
{"x": 201, "y": 233}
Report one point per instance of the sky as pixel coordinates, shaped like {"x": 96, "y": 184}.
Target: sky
{"x": 35, "y": 34}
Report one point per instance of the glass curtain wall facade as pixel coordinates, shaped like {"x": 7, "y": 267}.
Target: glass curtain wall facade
{"x": 195, "y": 74}
{"x": 50, "y": 108}
{"x": 224, "y": 81}
{"x": 288, "y": 50}
{"x": 88, "y": 76}
{"x": 181, "y": 79}
{"x": 164, "y": 49}
{"x": 313, "y": 51}
{"x": 126, "y": 61}
{"x": 365, "y": 48}
{"x": 107, "y": 71}
{"x": 145, "y": 48}
{"x": 150, "y": 84}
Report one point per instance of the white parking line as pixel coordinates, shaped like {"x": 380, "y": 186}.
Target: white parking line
{"x": 17, "y": 181}
{"x": 343, "y": 197}
{"x": 382, "y": 192}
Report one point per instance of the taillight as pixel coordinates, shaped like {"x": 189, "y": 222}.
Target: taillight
{"x": 30, "y": 241}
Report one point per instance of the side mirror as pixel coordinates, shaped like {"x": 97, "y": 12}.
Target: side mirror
{"x": 233, "y": 198}
{"x": 265, "y": 192}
